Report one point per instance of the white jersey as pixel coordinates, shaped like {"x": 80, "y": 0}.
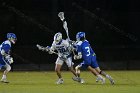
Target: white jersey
{"x": 62, "y": 48}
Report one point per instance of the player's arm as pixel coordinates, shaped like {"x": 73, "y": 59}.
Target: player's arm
{"x": 79, "y": 50}
{"x": 5, "y": 52}
{"x": 5, "y": 49}
{"x": 51, "y": 49}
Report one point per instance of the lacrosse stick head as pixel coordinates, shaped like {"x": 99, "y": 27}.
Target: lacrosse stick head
{"x": 61, "y": 15}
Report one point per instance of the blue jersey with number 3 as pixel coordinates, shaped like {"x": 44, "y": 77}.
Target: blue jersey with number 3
{"x": 86, "y": 50}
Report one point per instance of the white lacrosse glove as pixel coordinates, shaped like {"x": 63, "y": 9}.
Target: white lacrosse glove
{"x": 70, "y": 48}
{"x": 47, "y": 48}
{"x": 51, "y": 51}
{"x": 9, "y": 59}
{"x": 77, "y": 57}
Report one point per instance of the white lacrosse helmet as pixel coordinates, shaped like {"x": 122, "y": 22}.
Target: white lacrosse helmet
{"x": 58, "y": 37}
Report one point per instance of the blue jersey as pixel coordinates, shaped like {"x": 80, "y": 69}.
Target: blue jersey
{"x": 85, "y": 49}
{"x": 6, "y": 46}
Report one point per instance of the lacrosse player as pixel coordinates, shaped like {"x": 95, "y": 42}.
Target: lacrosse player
{"x": 89, "y": 58}
{"x": 63, "y": 49}
{"x": 5, "y": 58}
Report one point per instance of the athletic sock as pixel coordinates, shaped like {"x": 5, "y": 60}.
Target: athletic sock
{"x": 4, "y": 77}
{"x": 99, "y": 77}
{"x": 107, "y": 76}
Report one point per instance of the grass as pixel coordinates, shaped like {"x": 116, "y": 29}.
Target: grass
{"x": 44, "y": 82}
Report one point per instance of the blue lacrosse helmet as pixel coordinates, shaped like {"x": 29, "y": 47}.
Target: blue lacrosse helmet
{"x": 11, "y": 35}
{"x": 80, "y": 35}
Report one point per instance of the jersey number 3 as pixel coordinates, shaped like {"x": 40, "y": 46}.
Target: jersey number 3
{"x": 88, "y": 51}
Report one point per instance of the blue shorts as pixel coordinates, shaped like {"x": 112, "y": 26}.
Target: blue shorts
{"x": 93, "y": 63}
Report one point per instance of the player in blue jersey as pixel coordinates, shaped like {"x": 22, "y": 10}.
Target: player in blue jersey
{"x": 5, "y": 57}
{"x": 89, "y": 58}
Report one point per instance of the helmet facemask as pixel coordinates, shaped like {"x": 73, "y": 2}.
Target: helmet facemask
{"x": 58, "y": 37}
{"x": 13, "y": 40}
{"x": 12, "y": 37}
{"x": 80, "y": 36}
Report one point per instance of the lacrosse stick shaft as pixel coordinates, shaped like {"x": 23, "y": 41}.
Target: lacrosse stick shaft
{"x": 62, "y": 18}
{"x": 43, "y": 48}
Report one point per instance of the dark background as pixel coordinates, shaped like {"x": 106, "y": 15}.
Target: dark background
{"x": 111, "y": 26}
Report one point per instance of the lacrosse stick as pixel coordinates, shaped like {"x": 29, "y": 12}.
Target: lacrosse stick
{"x": 62, "y": 18}
{"x": 45, "y": 49}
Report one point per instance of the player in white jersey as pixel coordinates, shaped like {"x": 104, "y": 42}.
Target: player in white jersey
{"x": 5, "y": 57}
{"x": 64, "y": 49}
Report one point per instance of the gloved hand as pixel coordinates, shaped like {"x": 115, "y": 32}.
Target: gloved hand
{"x": 47, "y": 48}
{"x": 9, "y": 59}
{"x": 77, "y": 57}
{"x": 51, "y": 51}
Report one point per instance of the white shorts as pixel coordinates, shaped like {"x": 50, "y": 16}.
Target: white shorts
{"x": 68, "y": 61}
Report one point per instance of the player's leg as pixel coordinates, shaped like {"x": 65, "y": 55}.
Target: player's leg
{"x": 70, "y": 65}
{"x": 94, "y": 65}
{"x": 58, "y": 66}
{"x": 99, "y": 77}
{"x": 4, "y": 77}
{"x": 73, "y": 71}
{"x": 76, "y": 75}
{"x": 105, "y": 75}
{"x": 77, "y": 69}
{"x": 97, "y": 68}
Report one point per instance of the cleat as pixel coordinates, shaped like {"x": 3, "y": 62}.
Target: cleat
{"x": 4, "y": 81}
{"x": 111, "y": 80}
{"x": 78, "y": 79}
{"x": 97, "y": 79}
{"x": 82, "y": 81}
{"x": 103, "y": 80}
{"x": 60, "y": 81}
{"x": 100, "y": 79}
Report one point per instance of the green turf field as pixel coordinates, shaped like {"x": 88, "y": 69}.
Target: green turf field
{"x": 44, "y": 82}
